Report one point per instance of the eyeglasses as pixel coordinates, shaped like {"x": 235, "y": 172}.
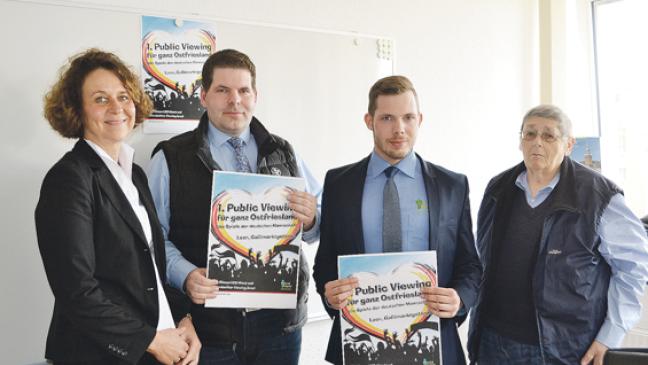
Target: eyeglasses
{"x": 531, "y": 135}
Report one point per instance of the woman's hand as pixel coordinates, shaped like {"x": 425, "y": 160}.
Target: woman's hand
{"x": 169, "y": 346}
{"x": 192, "y": 340}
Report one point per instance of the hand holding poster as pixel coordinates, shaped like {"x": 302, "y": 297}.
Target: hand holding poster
{"x": 254, "y": 241}
{"x": 386, "y": 320}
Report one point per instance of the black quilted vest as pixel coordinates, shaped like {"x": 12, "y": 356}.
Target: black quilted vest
{"x": 190, "y": 175}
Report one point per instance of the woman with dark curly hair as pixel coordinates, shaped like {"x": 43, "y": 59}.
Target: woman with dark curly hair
{"x": 98, "y": 233}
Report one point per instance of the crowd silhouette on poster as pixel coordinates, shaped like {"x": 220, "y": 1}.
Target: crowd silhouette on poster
{"x": 279, "y": 274}
{"x": 176, "y": 98}
{"x": 359, "y": 349}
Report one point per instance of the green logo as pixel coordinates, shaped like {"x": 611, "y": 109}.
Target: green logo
{"x": 420, "y": 204}
{"x": 286, "y": 285}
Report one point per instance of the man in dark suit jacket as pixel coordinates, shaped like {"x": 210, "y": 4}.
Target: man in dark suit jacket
{"x": 434, "y": 215}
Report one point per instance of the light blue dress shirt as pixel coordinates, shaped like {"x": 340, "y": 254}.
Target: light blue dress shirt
{"x": 223, "y": 154}
{"x": 415, "y": 220}
{"x": 624, "y": 246}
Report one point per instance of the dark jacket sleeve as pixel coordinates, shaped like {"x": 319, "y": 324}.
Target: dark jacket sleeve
{"x": 325, "y": 267}
{"x": 66, "y": 216}
{"x": 467, "y": 271}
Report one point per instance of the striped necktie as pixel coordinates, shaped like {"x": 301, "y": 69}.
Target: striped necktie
{"x": 242, "y": 162}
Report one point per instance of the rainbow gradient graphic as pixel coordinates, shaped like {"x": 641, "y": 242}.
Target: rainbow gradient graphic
{"x": 357, "y": 314}
{"x": 218, "y": 228}
{"x": 204, "y": 37}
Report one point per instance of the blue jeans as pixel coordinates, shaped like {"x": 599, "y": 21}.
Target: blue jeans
{"x": 263, "y": 343}
{"x": 497, "y": 350}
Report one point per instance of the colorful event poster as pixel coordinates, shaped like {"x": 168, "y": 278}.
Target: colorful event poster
{"x": 173, "y": 53}
{"x": 254, "y": 241}
{"x": 386, "y": 320}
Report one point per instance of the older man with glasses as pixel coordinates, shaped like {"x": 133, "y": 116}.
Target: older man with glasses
{"x": 565, "y": 260}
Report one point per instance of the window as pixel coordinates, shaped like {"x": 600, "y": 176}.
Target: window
{"x": 621, "y": 54}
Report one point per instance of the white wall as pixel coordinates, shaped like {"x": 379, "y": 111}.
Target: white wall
{"x": 474, "y": 63}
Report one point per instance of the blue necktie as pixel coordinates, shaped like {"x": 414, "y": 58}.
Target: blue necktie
{"x": 391, "y": 230}
{"x": 242, "y": 162}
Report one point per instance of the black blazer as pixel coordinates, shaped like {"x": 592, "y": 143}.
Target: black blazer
{"x": 97, "y": 262}
{"x": 451, "y": 235}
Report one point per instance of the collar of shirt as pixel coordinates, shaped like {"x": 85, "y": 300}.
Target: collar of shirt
{"x": 124, "y": 160}
{"x": 522, "y": 183}
{"x": 121, "y": 170}
{"x": 217, "y": 138}
{"x": 377, "y": 165}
